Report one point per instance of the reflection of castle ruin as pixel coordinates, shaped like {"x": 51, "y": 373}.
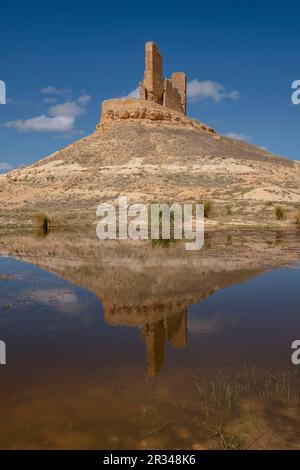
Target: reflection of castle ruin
{"x": 160, "y": 323}
{"x": 172, "y": 329}
{"x": 153, "y": 288}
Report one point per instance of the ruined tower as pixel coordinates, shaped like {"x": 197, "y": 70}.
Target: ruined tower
{"x": 179, "y": 83}
{"x": 152, "y": 86}
{"x": 170, "y": 93}
{"x": 160, "y": 98}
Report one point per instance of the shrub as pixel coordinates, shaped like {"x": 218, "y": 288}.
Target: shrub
{"x": 280, "y": 213}
{"x": 42, "y": 222}
{"x": 163, "y": 242}
{"x": 208, "y": 207}
{"x": 228, "y": 210}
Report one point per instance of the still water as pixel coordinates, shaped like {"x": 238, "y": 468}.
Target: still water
{"x": 128, "y": 347}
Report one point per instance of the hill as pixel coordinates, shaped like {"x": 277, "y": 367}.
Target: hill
{"x": 155, "y": 159}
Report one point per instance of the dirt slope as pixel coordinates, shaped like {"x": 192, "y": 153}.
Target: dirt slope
{"x": 155, "y": 161}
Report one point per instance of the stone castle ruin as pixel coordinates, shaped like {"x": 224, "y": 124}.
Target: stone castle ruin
{"x": 161, "y": 99}
{"x": 170, "y": 93}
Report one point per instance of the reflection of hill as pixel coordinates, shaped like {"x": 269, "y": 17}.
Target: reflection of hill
{"x": 151, "y": 288}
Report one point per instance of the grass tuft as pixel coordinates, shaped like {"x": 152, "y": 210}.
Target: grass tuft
{"x": 208, "y": 208}
{"x": 229, "y": 441}
{"x": 228, "y": 210}
{"x": 42, "y": 222}
{"x": 280, "y": 213}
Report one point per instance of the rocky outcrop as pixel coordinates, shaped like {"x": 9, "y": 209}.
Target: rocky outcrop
{"x": 135, "y": 109}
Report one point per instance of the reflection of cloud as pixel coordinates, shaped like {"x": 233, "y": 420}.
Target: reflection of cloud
{"x": 208, "y": 326}
{"x": 47, "y": 296}
{"x": 204, "y": 326}
{"x": 62, "y": 300}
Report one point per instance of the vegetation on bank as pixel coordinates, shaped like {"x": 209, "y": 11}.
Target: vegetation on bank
{"x": 280, "y": 213}
{"x": 208, "y": 208}
{"x": 42, "y": 222}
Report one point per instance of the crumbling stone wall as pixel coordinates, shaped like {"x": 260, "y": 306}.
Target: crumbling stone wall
{"x": 169, "y": 93}
{"x": 171, "y": 97}
{"x": 152, "y": 86}
{"x": 179, "y": 82}
{"x": 139, "y": 109}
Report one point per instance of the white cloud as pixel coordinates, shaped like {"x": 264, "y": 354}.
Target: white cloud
{"x": 5, "y": 166}
{"x": 69, "y": 108}
{"x": 16, "y": 103}
{"x": 236, "y": 136}
{"x": 50, "y": 100}
{"x": 133, "y": 94}
{"x": 199, "y": 91}
{"x": 43, "y": 124}
{"x": 59, "y": 118}
{"x": 52, "y": 90}
{"x": 84, "y": 99}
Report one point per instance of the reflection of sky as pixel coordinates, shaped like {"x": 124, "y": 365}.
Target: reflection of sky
{"x": 257, "y": 319}
{"x": 271, "y": 294}
{"x": 204, "y": 325}
{"x": 44, "y": 318}
{"x": 28, "y": 284}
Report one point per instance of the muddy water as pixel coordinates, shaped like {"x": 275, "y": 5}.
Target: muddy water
{"x": 124, "y": 348}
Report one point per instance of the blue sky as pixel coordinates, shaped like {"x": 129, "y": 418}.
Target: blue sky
{"x": 61, "y": 59}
